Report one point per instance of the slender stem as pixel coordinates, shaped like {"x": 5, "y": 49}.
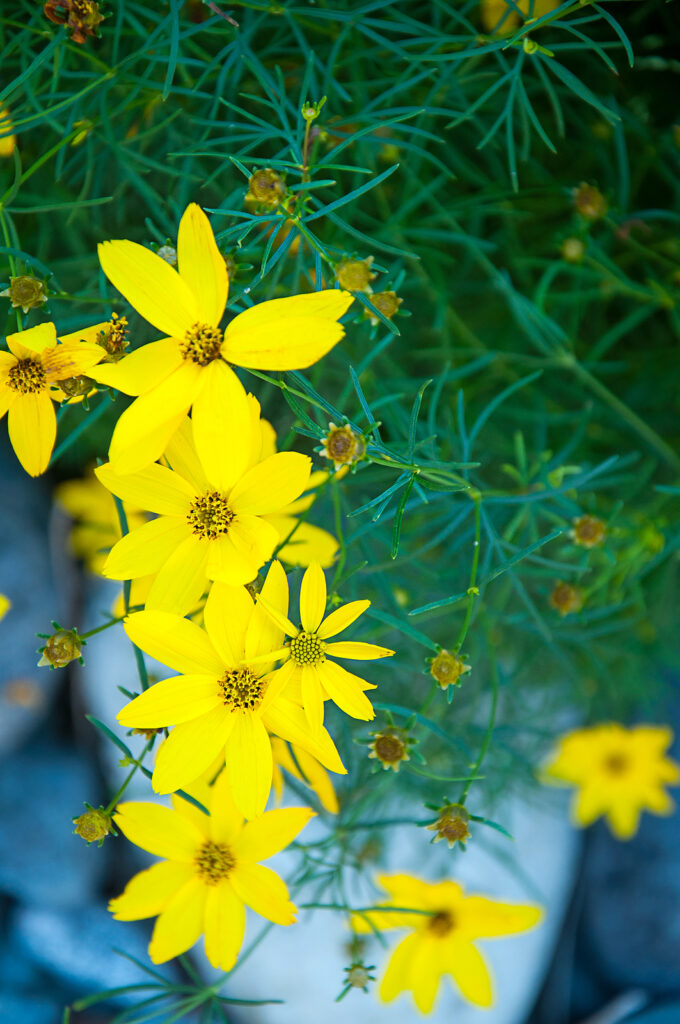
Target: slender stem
{"x": 472, "y": 591}
{"x": 489, "y": 732}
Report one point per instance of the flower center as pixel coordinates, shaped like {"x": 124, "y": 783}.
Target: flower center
{"x": 441, "y": 923}
{"x": 214, "y": 862}
{"x": 202, "y": 344}
{"x": 210, "y": 516}
{"x": 27, "y": 376}
{"x": 389, "y": 748}
{"x": 241, "y": 690}
{"x": 307, "y": 649}
{"x": 616, "y": 764}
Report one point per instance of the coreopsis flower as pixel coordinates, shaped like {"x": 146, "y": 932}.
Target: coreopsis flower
{"x": 211, "y": 511}
{"x": 25, "y": 292}
{"x": 5, "y": 606}
{"x": 588, "y": 531}
{"x": 566, "y": 598}
{"x": 390, "y": 747}
{"x": 190, "y": 367}
{"x": 445, "y": 925}
{"x": 209, "y": 874}
{"x": 304, "y": 767}
{"x": 8, "y": 139}
{"x": 307, "y": 653}
{"x": 451, "y": 825}
{"x": 493, "y": 10}
{"x": 619, "y": 772}
{"x": 447, "y": 668}
{"x": 29, "y": 377}
{"x": 227, "y": 700}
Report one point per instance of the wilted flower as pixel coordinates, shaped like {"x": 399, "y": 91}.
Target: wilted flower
{"x": 81, "y": 17}
{"x": 589, "y": 201}
{"x": 567, "y": 598}
{"x": 355, "y": 275}
{"x": 447, "y": 668}
{"x": 451, "y": 825}
{"x": 387, "y": 302}
{"x": 588, "y": 531}
{"x": 61, "y": 649}
{"x": 25, "y": 292}
{"x": 94, "y": 825}
{"x": 390, "y": 748}
{"x": 342, "y": 445}
{"x": 266, "y": 188}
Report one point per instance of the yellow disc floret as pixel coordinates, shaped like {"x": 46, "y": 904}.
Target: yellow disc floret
{"x": 214, "y": 862}
{"x": 307, "y": 649}
{"x": 209, "y": 515}
{"x": 202, "y": 344}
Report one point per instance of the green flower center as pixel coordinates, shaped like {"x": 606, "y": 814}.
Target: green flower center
{"x": 210, "y": 516}
{"x": 241, "y": 690}
{"x": 202, "y": 344}
{"x": 214, "y": 862}
{"x": 27, "y": 376}
{"x": 441, "y": 923}
{"x": 307, "y": 649}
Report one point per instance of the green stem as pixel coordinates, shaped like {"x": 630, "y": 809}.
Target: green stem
{"x": 489, "y": 732}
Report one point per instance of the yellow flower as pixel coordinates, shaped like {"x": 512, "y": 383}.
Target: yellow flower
{"x": 7, "y": 141}
{"x": 307, "y": 651}
{"x": 212, "y": 508}
{"x": 29, "y": 373}
{"x": 190, "y": 367}
{"x": 210, "y": 873}
{"x": 493, "y": 10}
{"x": 618, "y": 773}
{"x": 5, "y": 605}
{"x": 306, "y": 769}
{"x": 228, "y": 701}
{"x": 442, "y": 937}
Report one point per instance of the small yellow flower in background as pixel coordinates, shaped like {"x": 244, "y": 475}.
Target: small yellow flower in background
{"x": 342, "y": 445}
{"x": 8, "y": 140}
{"x": 618, "y": 772}
{"x": 5, "y": 605}
{"x": 29, "y": 372}
{"x": 210, "y": 873}
{"x": 451, "y": 825}
{"x": 189, "y": 368}
{"x": 566, "y": 598}
{"x": 390, "y": 748}
{"x": 573, "y": 250}
{"x": 589, "y": 201}
{"x": 304, "y": 767}
{"x": 307, "y": 651}
{"x": 442, "y": 937}
{"x": 387, "y": 302}
{"x": 25, "y": 292}
{"x": 588, "y": 531}
{"x": 265, "y": 188}
{"x": 228, "y": 700}
{"x": 493, "y": 10}
{"x": 355, "y": 275}
{"x": 211, "y": 508}
{"x": 447, "y": 668}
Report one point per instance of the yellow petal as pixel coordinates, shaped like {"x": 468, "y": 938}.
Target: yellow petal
{"x": 142, "y": 369}
{"x": 263, "y": 633}
{"x": 287, "y": 720}
{"x": 222, "y": 425}
{"x": 158, "y": 830}
{"x": 155, "y": 488}
{"x": 345, "y": 690}
{"x": 201, "y": 265}
{"x": 263, "y": 891}
{"x": 229, "y": 564}
{"x": 190, "y": 750}
{"x": 64, "y": 361}
{"x": 277, "y": 684}
{"x": 145, "y": 428}
{"x": 426, "y": 971}
{"x": 623, "y": 818}
{"x": 149, "y": 892}
{"x": 341, "y": 618}
{"x": 273, "y": 831}
{"x": 150, "y": 285}
{"x": 309, "y": 543}
{"x": 312, "y": 698}
{"x": 32, "y": 341}
{"x": 397, "y": 975}
{"x": 226, "y": 821}
{"x": 180, "y": 924}
{"x": 32, "y": 430}
{"x": 181, "y": 581}
{"x": 171, "y": 701}
{"x": 249, "y": 764}
{"x": 175, "y": 642}
{"x": 484, "y": 918}
{"x": 225, "y": 923}
{"x": 146, "y": 549}
{"x": 316, "y": 777}
{"x": 286, "y": 334}
{"x": 201, "y": 792}
{"x": 181, "y": 456}
{"x": 588, "y": 804}
{"x": 278, "y": 616}
{"x": 312, "y": 598}
{"x": 357, "y": 651}
{"x": 467, "y": 967}
{"x": 271, "y": 484}
{"x": 227, "y": 613}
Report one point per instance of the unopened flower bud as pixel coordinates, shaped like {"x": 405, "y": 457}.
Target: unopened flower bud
{"x": 355, "y": 275}
{"x": 94, "y": 825}
{"x": 169, "y": 254}
{"x": 447, "y": 668}
{"x": 573, "y": 250}
{"x": 589, "y": 201}
{"x": 25, "y": 292}
{"x": 342, "y": 445}
{"x": 61, "y": 649}
{"x": 266, "y": 188}
{"x": 451, "y": 825}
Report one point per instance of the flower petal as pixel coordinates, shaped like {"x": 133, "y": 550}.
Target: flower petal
{"x": 170, "y": 702}
{"x": 222, "y": 425}
{"x": 227, "y": 613}
{"x": 175, "y": 642}
{"x": 254, "y": 537}
{"x": 345, "y": 690}
{"x": 249, "y": 764}
{"x": 190, "y": 750}
{"x": 158, "y": 830}
{"x": 487, "y": 919}
{"x": 150, "y": 285}
{"x": 225, "y": 925}
{"x": 397, "y": 976}
{"x": 312, "y": 598}
{"x": 341, "y": 618}
{"x": 271, "y": 484}
{"x": 467, "y": 967}
{"x": 287, "y": 720}
{"x": 308, "y": 543}
{"x": 263, "y": 633}
{"x": 142, "y": 369}
{"x": 155, "y": 488}
{"x": 150, "y": 891}
{"x": 229, "y": 564}
{"x": 181, "y": 581}
{"x": 32, "y": 341}
{"x": 32, "y": 430}
{"x": 273, "y": 831}
{"x": 357, "y": 651}
{"x": 263, "y": 891}
{"x": 426, "y": 972}
{"x": 286, "y": 334}
{"x": 623, "y": 818}
{"x": 146, "y": 549}
{"x": 181, "y": 456}
{"x": 201, "y": 265}
{"x": 180, "y": 924}
{"x": 226, "y": 821}
{"x": 145, "y": 428}
{"x": 312, "y": 697}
